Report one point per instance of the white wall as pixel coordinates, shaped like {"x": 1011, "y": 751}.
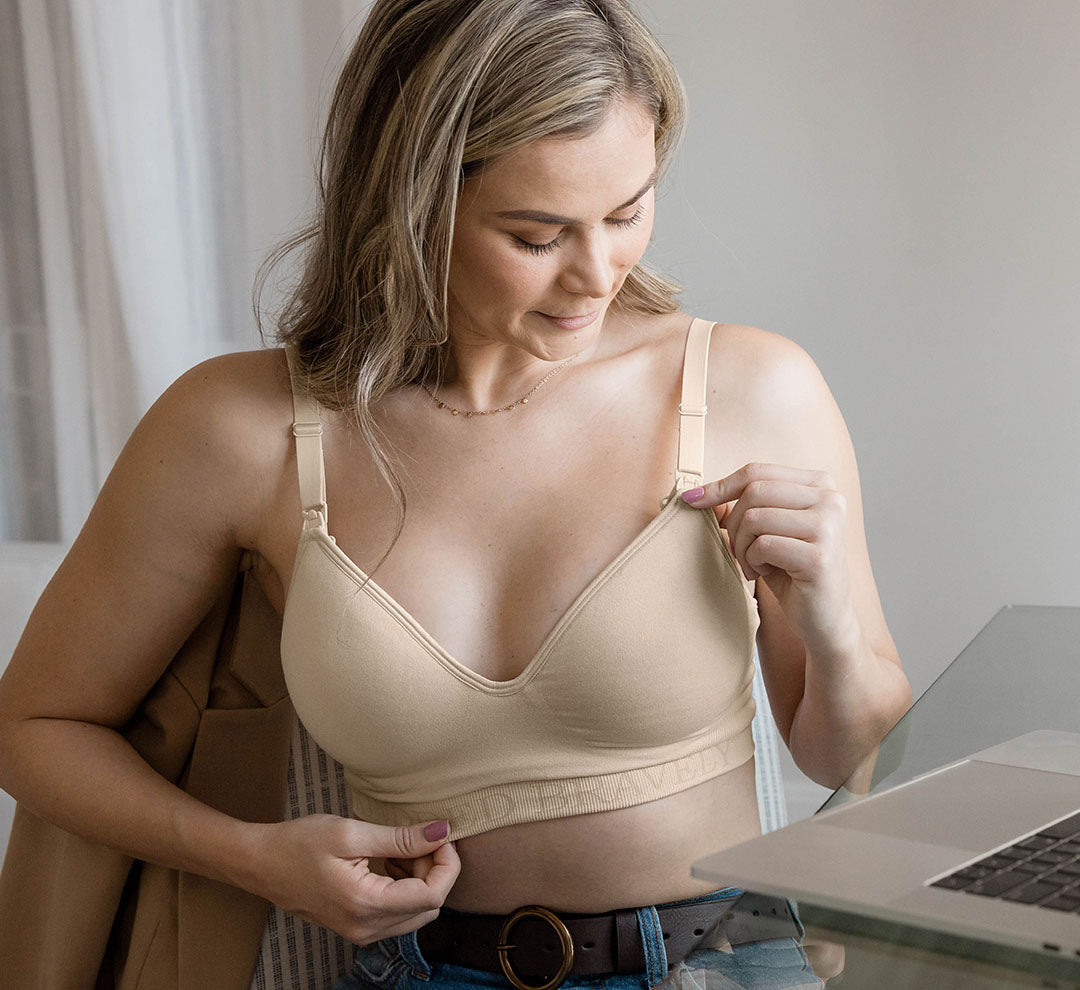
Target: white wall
{"x": 896, "y": 186}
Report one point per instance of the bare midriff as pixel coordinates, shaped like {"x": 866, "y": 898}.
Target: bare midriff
{"x": 611, "y": 859}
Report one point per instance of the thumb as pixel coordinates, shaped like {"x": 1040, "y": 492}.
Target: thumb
{"x": 404, "y": 841}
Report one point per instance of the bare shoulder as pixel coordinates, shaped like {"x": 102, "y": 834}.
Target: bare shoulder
{"x": 770, "y": 386}
{"x": 235, "y": 391}
{"x": 161, "y": 543}
{"x": 224, "y": 424}
{"x": 753, "y": 364}
{"x": 765, "y": 367}
{"x": 193, "y": 474}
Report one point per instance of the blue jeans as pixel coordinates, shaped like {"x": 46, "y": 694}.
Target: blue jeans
{"x": 396, "y": 963}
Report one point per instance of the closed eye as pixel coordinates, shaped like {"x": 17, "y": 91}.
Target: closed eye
{"x": 633, "y": 221}
{"x": 551, "y": 245}
{"x": 537, "y": 248}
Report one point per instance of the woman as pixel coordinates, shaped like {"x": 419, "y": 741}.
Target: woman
{"x": 502, "y": 633}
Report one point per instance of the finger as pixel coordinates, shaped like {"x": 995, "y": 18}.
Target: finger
{"x": 758, "y": 521}
{"x": 777, "y": 494}
{"x": 390, "y": 903}
{"x": 410, "y": 924}
{"x": 413, "y": 894}
{"x": 421, "y": 866}
{"x": 727, "y": 489}
{"x": 397, "y": 842}
{"x": 798, "y": 558}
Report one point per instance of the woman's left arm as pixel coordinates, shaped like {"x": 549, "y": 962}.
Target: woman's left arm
{"x": 831, "y": 669}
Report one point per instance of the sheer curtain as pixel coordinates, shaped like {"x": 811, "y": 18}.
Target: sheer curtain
{"x": 152, "y": 151}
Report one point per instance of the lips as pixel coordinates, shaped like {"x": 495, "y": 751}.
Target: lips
{"x": 572, "y": 322}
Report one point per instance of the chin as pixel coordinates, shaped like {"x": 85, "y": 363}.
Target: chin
{"x": 565, "y": 337}
{"x": 567, "y": 346}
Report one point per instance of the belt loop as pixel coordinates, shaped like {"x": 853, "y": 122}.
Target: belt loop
{"x": 652, "y": 941}
{"x": 410, "y": 952}
{"x": 627, "y": 940}
{"x": 793, "y": 910}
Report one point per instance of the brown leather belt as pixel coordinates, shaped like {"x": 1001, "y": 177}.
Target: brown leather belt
{"x": 537, "y": 949}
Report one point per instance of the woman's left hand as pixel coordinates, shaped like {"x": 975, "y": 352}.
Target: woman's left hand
{"x": 788, "y": 526}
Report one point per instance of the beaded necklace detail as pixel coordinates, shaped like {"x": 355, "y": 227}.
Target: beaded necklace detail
{"x": 524, "y": 400}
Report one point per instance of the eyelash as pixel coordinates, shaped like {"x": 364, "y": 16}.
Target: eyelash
{"x": 552, "y": 244}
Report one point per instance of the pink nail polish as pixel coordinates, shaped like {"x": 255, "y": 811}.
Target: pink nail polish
{"x": 436, "y": 831}
{"x": 693, "y": 495}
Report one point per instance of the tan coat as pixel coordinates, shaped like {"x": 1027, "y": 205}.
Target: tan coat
{"x": 76, "y": 915}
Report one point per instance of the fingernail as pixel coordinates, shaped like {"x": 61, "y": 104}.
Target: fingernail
{"x": 436, "y": 830}
{"x": 693, "y": 495}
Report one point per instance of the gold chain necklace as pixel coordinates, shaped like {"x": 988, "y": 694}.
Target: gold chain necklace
{"x": 468, "y": 414}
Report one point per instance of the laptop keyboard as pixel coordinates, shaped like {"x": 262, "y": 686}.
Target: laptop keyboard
{"x": 1042, "y": 869}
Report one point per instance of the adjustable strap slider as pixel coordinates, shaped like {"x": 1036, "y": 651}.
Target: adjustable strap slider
{"x": 307, "y": 429}
{"x": 684, "y": 411}
{"x": 685, "y": 481}
{"x": 315, "y": 515}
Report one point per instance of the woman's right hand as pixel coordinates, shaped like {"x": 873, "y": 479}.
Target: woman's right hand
{"x": 317, "y": 867}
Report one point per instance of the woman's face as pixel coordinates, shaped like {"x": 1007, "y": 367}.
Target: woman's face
{"x": 545, "y": 236}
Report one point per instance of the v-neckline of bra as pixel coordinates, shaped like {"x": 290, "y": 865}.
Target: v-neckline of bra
{"x": 366, "y": 583}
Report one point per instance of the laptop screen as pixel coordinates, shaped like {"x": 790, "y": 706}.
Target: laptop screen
{"x": 1020, "y": 673}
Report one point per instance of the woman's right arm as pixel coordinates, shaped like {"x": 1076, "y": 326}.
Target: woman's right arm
{"x": 161, "y": 544}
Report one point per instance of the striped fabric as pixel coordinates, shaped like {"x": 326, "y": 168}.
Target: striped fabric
{"x": 295, "y": 954}
{"x": 772, "y": 807}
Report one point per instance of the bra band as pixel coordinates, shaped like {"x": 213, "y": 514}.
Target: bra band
{"x": 692, "y": 408}
{"x": 307, "y": 428}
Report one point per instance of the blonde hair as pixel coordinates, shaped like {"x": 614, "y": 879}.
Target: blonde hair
{"x": 431, "y": 91}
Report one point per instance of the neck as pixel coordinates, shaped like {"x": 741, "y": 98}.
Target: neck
{"x": 481, "y": 376}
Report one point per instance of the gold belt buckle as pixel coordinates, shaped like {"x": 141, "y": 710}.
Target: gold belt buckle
{"x": 561, "y": 930}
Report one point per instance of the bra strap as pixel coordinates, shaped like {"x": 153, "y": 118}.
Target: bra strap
{"x": 307, "y": 428}
{"x": 692, "y": 408}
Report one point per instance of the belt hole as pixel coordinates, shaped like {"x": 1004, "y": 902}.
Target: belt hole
{"x": 757, "y": 913}
{"x": 665, "y": 934}
{"x": 549, "y": 948}
{"x": 699, "y": 931}
{"x": 588, "y": 945}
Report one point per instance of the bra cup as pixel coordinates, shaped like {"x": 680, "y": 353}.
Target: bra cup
{"x": 360, "y": 681}
{"x": 653, "y": 661}
{"x": 643, "y": 688}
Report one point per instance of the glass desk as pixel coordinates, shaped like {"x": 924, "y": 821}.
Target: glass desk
{"x": 1021, "y": 673}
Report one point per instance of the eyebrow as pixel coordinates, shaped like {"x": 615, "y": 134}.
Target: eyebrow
{"x": 551, "y": 220}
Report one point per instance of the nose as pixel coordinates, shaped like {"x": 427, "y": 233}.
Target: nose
{"x": 590, "y": 268}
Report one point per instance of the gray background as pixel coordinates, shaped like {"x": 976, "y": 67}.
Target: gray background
{"x": 896, "y": 186}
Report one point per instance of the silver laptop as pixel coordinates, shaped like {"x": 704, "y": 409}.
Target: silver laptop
{"x": 986, "y": 848}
